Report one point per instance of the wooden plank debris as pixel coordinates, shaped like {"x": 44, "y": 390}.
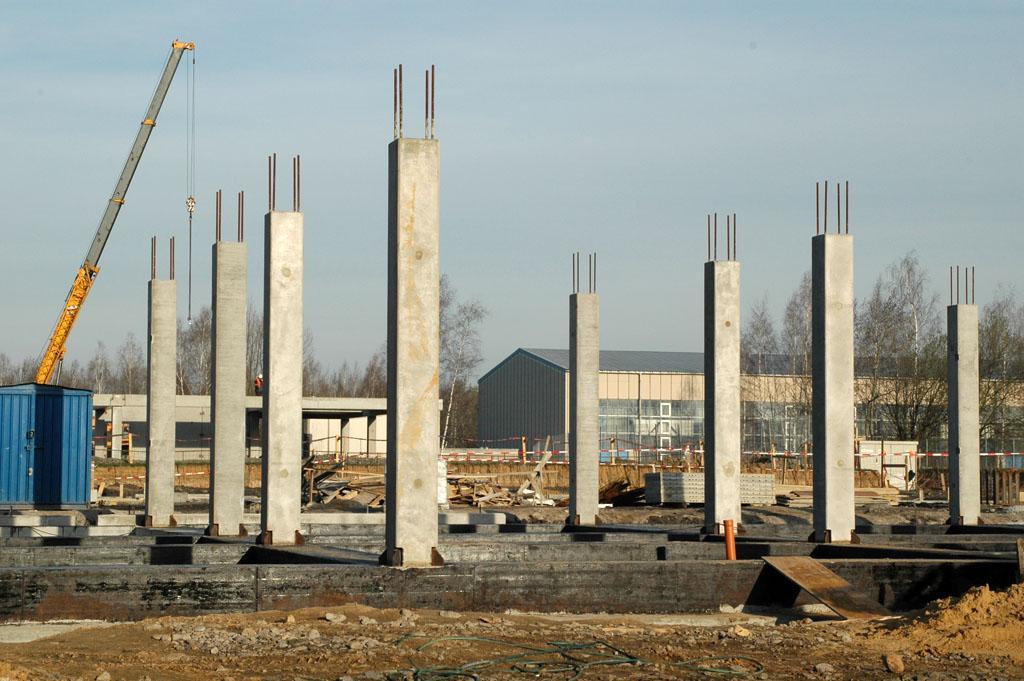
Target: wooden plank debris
{"x": 828, "y": 587}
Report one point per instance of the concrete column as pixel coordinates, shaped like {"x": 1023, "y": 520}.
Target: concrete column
{"x": 376, "y": 434}
{"x": 161, "y": 389}
{"x": 832, "y": 402}
{"x": 584, "y": 428}
{"x": 964, "y": 430}
{"x": 227, "y": 389}
{"x": 354, "y": 433}
{"x": 282, "y": 378}
{"x": 413, "y": 352}
{"x": 116, "y": 431}
{"x": 722, "y": 426}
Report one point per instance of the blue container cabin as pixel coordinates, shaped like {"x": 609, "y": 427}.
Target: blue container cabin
{"x": 45, "y": 446}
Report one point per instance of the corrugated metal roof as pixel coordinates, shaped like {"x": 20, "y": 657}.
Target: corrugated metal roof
{"x": 630, "y": 360}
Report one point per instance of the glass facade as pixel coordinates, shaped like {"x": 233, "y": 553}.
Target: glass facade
{"x": 652, "y": 424}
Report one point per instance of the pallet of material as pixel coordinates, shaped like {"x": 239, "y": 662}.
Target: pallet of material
{"x": 688, "y": 488}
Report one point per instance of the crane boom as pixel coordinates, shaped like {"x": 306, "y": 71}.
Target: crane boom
{"x": 86, "y": 276}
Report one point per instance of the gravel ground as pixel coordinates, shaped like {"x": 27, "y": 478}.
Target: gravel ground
{"x": 359, "y": 643}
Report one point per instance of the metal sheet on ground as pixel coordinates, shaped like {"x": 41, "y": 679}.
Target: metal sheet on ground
{"x": 827, "y": 587}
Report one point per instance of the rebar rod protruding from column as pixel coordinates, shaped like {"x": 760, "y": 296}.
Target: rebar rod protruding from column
{"x": 426, "y": 104}
{"x": 839, "y": 216}
{"x": 152, "y": 258}
{"x": 715, "y": 241}
{"x": 172, "y": 259}
{"x": 217, "y": 214}
{"x": 241, "y": 216}
{"x": 394, "y": 103}
{"x": 958, "y": 284}
{"x": 728, "y": 237}
{"x": 950, "y": 284}
{"x": 709, "y": 236}
{"x": 271, "y": 182}
{"x": 826, "y": 207}
{"x": 401, "y": 104}
{"x": 433, "y": 100}
{"x": 817, "y": 208}
{"x": 974, "y": 290}
{"x": 847, "y": 206}
{"x": 734, "y": 236}
{"x": 296, "y": 183}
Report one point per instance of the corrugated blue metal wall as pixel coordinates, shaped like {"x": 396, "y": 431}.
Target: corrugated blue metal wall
{"x": 45, "y": 445}
{"x": 16, "y": 408}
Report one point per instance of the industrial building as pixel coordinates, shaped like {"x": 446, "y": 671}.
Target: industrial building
{"x": 647, "y": 399}
{"x": 654, "y": 400}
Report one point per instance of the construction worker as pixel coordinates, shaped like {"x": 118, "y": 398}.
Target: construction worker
{"x": 258, "y": 384}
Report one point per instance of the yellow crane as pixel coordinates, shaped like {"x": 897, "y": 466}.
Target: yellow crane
{"x": 53, "y": 355}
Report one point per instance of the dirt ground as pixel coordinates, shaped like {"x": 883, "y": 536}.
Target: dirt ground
{"x": 975, "y": 637}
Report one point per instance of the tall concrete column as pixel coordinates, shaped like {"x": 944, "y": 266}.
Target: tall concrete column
{"x": 413, "y": 423}
{"x": 282, "y": 378}
{"x": 832, "y": 403}
{"x": 722, "y": 428}
{"x": 964, "y": 430}
{"x": 376, "y": 434}
{"x": 116, "y": 432}
{"x": 584, "y": 428}
{"x": 227, "y": 389}
{"x": 161, "y": 389}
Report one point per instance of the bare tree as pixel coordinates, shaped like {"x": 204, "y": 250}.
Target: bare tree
{"x": 796, "y": 346}
{"x": 759, "y": 351}
{"x": 901, "y": 355}
{"x": 131, "y": 367}
{"x": 195, "y": 353}
{"x": 1001, "y": 350}
{"x": 7, "y": 370}
{"x": 460, "y": 349}
{"x": 99, "y": 374}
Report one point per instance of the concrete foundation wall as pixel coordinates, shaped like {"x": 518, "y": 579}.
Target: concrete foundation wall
{"x": 112, "y": 592}
{"x": 584, "y": 426}
{"x": 964, "y": 430}
{"x": 282, "y": 375}
{"x": 228, "y": 386}
{"x": 723, "y": 428}
{"x": 161, "y": 386}
{"x": 833, "y": 414}
{"x": 413, "y": 424}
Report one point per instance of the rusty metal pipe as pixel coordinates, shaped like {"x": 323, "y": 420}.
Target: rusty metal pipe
{"x": 730, "y": 540}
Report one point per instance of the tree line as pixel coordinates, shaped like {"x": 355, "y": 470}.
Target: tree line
{"x": 123, "y": 370}
{"x": 900, "y": 361}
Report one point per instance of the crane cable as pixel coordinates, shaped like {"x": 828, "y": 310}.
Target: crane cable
{"x": 190, "y": 163}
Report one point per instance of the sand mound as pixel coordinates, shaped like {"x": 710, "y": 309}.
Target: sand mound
{"x": 980, "y": 622}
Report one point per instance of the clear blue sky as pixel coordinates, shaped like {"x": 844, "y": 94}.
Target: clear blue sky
{"x": 612, "y": 127}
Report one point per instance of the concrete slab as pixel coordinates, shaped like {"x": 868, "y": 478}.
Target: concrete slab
{"x": 36, "y": 520}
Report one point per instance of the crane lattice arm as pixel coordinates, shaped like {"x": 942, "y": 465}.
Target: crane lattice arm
{"x": 86, "y": 276}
